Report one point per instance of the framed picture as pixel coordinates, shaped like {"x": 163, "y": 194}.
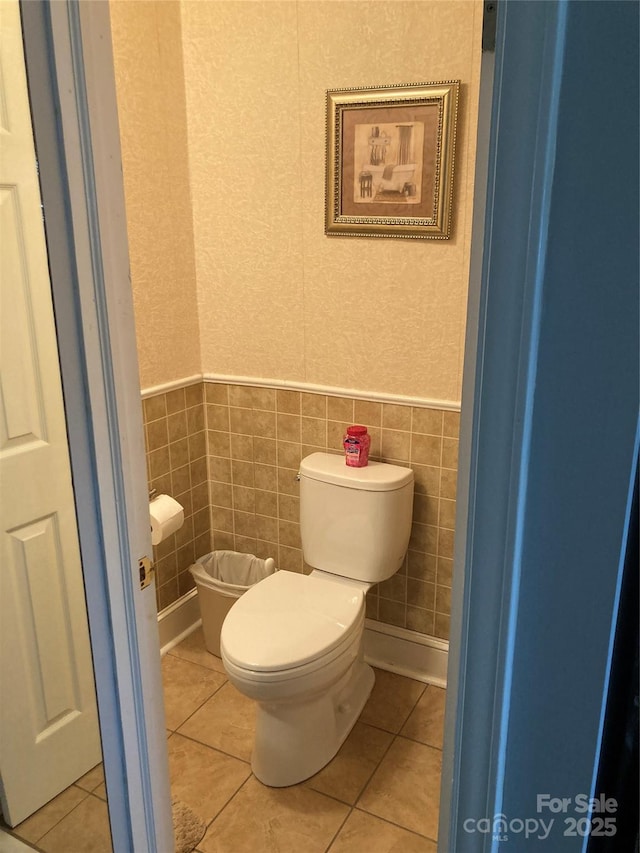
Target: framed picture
{"x": 390, "y": 158}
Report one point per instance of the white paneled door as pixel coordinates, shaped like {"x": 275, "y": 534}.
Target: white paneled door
{"x": 49, "y": 733}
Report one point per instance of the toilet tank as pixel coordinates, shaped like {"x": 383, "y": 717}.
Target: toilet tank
{"x": 355, "y": 522}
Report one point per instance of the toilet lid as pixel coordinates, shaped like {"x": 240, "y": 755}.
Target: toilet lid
{"x": 289, "y": 619}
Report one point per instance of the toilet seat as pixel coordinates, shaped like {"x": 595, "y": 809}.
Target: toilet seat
{"x": 288, "y": 621}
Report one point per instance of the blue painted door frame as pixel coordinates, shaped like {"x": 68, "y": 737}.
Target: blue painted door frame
{"x": 549, "y": 432}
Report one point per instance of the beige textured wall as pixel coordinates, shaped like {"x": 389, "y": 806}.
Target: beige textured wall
{"x": 277, "y": 298}
{"x": 151, "y": 103}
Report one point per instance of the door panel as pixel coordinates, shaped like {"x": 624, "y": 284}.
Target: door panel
{"x": 49, "y": 733}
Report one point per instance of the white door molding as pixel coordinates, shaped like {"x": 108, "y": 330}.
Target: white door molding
{"x": 70, "y": 69}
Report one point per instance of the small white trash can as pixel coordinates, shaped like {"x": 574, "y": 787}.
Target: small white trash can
{"x": 221, "y": 578}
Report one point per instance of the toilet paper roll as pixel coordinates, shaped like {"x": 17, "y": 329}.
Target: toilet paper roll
{"x": 166, "y": 517}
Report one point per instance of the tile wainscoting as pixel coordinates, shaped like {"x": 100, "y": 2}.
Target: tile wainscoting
{"x": 229, "y": 453}
{"x": 177, "y": 465}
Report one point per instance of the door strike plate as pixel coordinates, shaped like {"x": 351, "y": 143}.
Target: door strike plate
{"x": 146, "y": 572}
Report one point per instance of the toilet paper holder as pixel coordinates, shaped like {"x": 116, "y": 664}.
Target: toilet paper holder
{"x": 146, "y": 568}
{"x": 166, "y": 516}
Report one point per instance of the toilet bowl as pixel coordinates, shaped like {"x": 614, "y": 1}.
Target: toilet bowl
{"x": 293, "y": 642}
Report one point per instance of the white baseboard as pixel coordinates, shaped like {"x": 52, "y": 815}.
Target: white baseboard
{"x": 178, "y": 620}
{"x": 397, "y": 650}
{"x": 404, "y": 652}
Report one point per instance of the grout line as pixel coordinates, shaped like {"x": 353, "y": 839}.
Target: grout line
{"x": 232, "y": 797}
{"x": 375, "y": 770}
{"x": 66, "y": 815}
{"x": 421, "y": 742}
{"x": 229, "y": 801}
{"x": 173, "y": 653}
{"x": 195, "y": 711}
{"x": 397, "y": 825}
{"x": 339, "y": 830}
{"x": 195, "y": 663}
{"x": 214, "y": 748}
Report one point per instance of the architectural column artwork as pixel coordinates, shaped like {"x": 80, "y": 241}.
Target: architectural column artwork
{"x": 405, "y": 155}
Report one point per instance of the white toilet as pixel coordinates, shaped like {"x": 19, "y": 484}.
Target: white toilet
{"x": 293, "y": 642}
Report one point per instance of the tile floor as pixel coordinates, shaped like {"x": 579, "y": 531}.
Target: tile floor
{"x": 379, "y": 794}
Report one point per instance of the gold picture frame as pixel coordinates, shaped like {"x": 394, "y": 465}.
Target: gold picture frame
{"x": 390, "y": 159}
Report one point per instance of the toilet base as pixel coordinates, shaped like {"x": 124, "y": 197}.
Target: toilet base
{"x": 294, "y": 740}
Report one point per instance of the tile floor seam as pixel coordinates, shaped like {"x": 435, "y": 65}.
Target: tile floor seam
{"x": 415, "y": 705}
{"x": 172, "y": 653}
{"x": 339, "y": 830}
{"x": 397, "y": 825}
{"x": 64, "y": 816}
{"x": 194, "y": 663}
{"x": 214, "y": 748}
{"x": 226, "y": 805}
{"x": 188, "y": 659}
{"x": 195, "y": 710}
{"x": 379, "y": 728}
{"x": 324, "y": 793}
{"x": 226, "y": 755}
{"x": 371, "y": 775}
{"x": 393, "y": 823}
{"x": 421, "y": 742}
{"x": 376, "y": 814}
